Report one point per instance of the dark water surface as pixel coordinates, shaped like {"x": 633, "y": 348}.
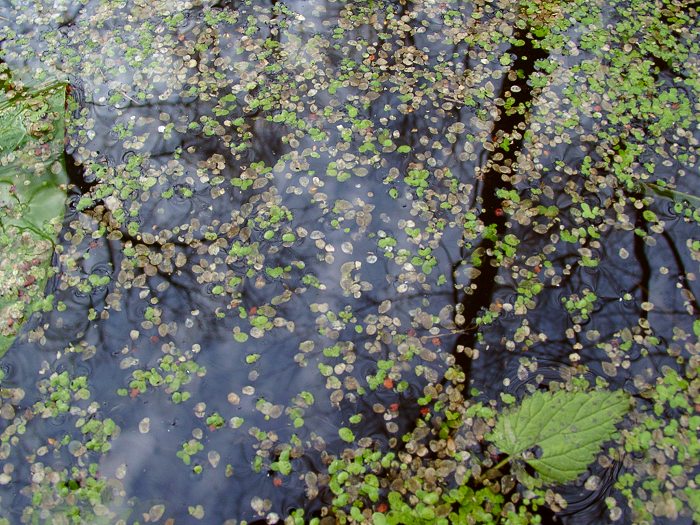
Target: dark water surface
{"x": 309, "y": 210}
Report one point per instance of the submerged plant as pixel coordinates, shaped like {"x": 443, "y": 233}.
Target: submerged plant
{"x": 32, "y": 197}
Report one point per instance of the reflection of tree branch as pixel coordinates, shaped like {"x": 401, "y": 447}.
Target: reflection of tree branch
{"x": 640, "y": 254}
{"x": 493, "y": 181}
{"x": 682, "y": 273}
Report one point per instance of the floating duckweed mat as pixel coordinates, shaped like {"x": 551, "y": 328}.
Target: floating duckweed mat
{"x": 338, "y": 261}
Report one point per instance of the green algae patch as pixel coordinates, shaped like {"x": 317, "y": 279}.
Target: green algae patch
{"x": 32, "y": 196}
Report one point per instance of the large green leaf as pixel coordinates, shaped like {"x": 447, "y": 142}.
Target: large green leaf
{"x": 32, "y": 198}
{"x": 568, "y": 427}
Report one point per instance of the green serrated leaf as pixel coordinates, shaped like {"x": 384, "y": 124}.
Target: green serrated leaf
{"x": 568, "y": 427}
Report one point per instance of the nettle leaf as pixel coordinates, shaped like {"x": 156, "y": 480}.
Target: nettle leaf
{"x": 568, "y": 427}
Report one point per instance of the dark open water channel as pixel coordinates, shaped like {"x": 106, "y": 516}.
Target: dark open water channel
{"x": 309, "y": 211}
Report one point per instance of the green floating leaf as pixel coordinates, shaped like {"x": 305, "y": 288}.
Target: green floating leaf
{"x": 346, "y": 434}
{"x": 32, "y": 198}
{"x": 568, "y": 427}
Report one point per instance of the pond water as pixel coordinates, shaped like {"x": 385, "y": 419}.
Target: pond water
{"x": 292, "y": 225}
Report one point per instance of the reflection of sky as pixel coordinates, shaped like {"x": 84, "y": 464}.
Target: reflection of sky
{"x": 188, "y": 304}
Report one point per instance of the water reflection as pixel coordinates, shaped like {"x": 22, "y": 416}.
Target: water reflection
{"x": 258, "y": 225}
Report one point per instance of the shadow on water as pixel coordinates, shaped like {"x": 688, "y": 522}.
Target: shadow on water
{"x": 507, "y": 138}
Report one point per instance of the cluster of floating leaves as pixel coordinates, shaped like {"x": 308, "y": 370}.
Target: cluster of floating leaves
{"x": 303, "y": 232}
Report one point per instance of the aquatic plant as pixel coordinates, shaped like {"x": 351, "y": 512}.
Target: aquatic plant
{"x": 339, "y": 253}
{"x": 32, "y": 196}
{"x": 557, "y": 433}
